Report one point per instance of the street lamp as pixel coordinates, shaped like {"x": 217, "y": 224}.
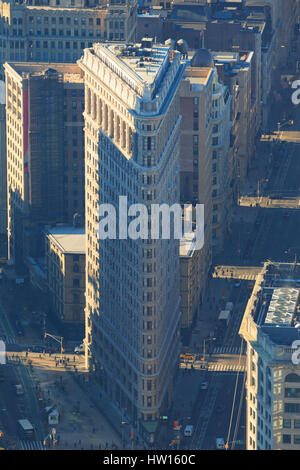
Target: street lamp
{"x": 123, "y": 422}
{"x": 59, "y": 339}
{"x": 290, "y": 122}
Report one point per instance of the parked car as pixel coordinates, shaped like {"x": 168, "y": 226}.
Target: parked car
{"x": 204, "y": 385}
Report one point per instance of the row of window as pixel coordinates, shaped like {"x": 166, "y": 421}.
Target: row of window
{"x": 60, "y": 20}
{"x": 291, "y": 439}
{"x": 62, "y": 32}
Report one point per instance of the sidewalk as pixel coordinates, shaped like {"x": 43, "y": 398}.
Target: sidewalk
{"x": 81, "y": 425}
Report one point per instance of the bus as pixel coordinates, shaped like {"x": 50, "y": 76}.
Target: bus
{"x": 25, "y": 429}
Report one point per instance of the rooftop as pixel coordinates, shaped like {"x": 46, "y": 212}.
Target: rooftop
{"x": 274, "y": 306}
{"x": 68, "y": 72}
{"x": 145, "y": 60}
{"x": 70, "y": 239}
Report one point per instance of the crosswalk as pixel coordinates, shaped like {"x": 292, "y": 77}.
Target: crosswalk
{"x": 219, "y": 367}
{"x": 229, "y": 273}
{"x": 228, "y": 350}
{"x": 31, "y": 445}
{"x": 8, "y": 339}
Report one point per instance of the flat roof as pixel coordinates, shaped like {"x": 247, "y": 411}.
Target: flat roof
{"x": 69, "y": 72}
{"x": 70, "y": 239}
{"x": 282, "y": 306}
{"x": 145, "y": 62}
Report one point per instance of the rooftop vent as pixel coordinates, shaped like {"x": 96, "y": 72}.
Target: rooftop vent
{"x": 147, "y": 42}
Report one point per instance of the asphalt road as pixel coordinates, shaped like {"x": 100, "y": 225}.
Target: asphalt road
{"x": 269, "y": 234}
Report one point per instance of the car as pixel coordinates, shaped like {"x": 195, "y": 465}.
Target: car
{"x": 79, "y": 349}
{"x": 204, "y": 385}
{"x": 237, "y": 284}
{"x": 286, "y": 214}
{"x": 220, "y": 443}
{"x": 188, "y": 430}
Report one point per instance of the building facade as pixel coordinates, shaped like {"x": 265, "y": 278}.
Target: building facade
{"x": 190, "y": 280}
{"x": 65, "y": 272}
{"x": 3, "y": 177}
{"x": 205, "y": 143}
{"x": 132, "y": 131}
{"x": 58, "y": 31}
{"x": 196, "y": 165}
{"x": 235, "y": 70}
{"x": 44, "y": 130}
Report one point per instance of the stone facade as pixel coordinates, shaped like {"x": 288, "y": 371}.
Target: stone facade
{"x": 132, "y": 129}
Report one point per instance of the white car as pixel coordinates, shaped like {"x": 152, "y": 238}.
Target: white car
{"x": 204, "y": 385}
{"x": 188, "y": 431}
{"x": 220, "y": 443}
{"x": 79, "y": 349}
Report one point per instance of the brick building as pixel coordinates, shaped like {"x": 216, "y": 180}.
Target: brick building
{"x": 45, "y": 169}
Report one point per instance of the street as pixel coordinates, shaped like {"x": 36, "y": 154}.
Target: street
{"x": 261, "y": 230}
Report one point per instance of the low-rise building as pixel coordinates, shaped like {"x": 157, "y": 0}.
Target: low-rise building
{"x": 190, "y": 280}
{"x": 65, "y": 271}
